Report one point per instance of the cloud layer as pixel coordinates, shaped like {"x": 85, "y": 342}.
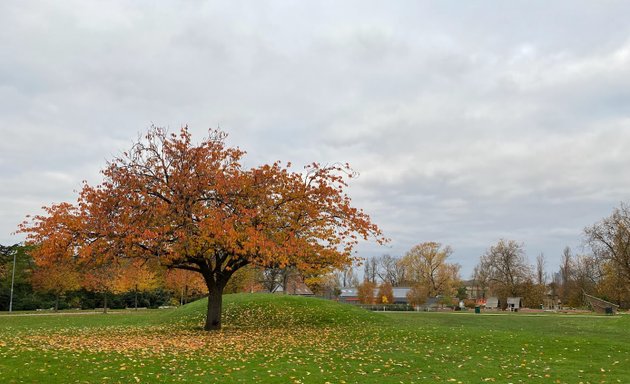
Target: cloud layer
{"x": 468, "y": 123}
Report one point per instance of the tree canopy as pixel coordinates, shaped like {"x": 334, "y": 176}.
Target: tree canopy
{"x": 504, "y": 267}
{"x": 426, "y": 264}
{"x": 195, "y": 207}
{"x": 610, "y": 240}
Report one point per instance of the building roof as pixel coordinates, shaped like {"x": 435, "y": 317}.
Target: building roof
{"x": 514, "y": 300}
{"x": 399, "y": 292}
{"x": 492, "y": 302}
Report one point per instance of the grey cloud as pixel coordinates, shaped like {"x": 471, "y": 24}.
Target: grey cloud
{"x": 468, "y": 122}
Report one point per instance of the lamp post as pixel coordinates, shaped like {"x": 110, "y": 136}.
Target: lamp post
{"x": 12, "y": 281}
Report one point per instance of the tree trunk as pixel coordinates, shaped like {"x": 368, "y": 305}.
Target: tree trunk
{"x": 105, "y": 302}
{"x": 56, "y": 302}
{"x": 135, "y": 299}
{"x": 215, "y": 302}
{"x": 285, "y": 281}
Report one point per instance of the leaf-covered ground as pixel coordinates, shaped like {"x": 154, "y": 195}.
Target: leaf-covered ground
{"x": 295, "y": 340}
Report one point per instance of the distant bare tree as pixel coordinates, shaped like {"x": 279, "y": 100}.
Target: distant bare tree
{"x": 565, "y": 265}
{"x": 271, "y": 279}
{"x": 541, "y": 276}
{"x": 347, "y": 277}
{"x": 481, "y": 279}
{"x": 610, "y": 240}
{"x": 391, "y": 270}
{"x": 370, "y": 270}
{"x": 586, "y": 274}
{"x": 566, "y": 274}
{"x": 506, "y": 267}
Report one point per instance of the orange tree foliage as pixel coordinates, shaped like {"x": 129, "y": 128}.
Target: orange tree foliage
{"x": 185, "y": 283}
{"x": 101, "y": 278}
{"x": 365, "y": 292}
{"x": 417, "y": 295}
{"x": 195, "y": 207}
{"x": 426, "y": 264}
{"x": 385, "y": 293}
{"x": 57, "y": 278}
{"x": 137, "y": 276}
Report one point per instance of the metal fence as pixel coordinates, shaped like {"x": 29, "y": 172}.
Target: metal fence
{"x": 386, "y": 307}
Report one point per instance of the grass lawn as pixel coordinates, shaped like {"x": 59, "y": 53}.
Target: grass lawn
{"x": 277, "y": 339}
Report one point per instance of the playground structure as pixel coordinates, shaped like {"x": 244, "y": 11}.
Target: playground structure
{"x": 514, "y": 303}
{"x": 492, "y": 303}
{"x": 600, "y": 305}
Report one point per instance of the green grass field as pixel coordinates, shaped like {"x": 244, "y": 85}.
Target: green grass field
{"x": 279, "y": 339}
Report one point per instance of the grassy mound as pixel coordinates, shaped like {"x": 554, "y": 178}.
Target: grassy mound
{"x": 276, "y": 311}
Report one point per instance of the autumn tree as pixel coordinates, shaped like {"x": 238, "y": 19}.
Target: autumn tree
{"x": 57, "y": 279}
{"x": 323, "y": 285}
{"x": 426, "y": 264}
{"x": 5, "y": 260}
{"x": 365, "y": 292}
{"x": 185, "y": 284}
{"x": 417, "y": 295}
{"x": 137, "y": 276}
{"x": 195, "y": 207}
{"x": 101, "y": 278}
{"x": 611, "y": 285}
{"x": 533, "y": 293}
{"x": 385, "y": 293}
{"x": 578, "y": 274}
{"x": 609, "y": 240}
{"x": 585, "y": 276}
{"x": 506, "y": 267}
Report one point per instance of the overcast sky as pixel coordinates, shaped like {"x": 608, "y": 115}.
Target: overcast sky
{"x": 468, "y": 121}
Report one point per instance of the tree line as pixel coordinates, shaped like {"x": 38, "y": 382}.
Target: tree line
{"x": 67, "y": 285}
{"x": 425, "y": 268}
{"x": 602, "y": 270}
{"x": 503, "y": 271}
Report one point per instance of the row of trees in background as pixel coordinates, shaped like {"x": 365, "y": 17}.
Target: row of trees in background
{"x": 68, "y": 285}
{"x": 425, "y": 268}
{"x": 131, "y": 284}
{"x": 603, "y": 270}
{"x": 504, "y": 270}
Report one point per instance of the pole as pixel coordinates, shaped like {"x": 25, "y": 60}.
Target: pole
{"x": 12, "y": 281}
